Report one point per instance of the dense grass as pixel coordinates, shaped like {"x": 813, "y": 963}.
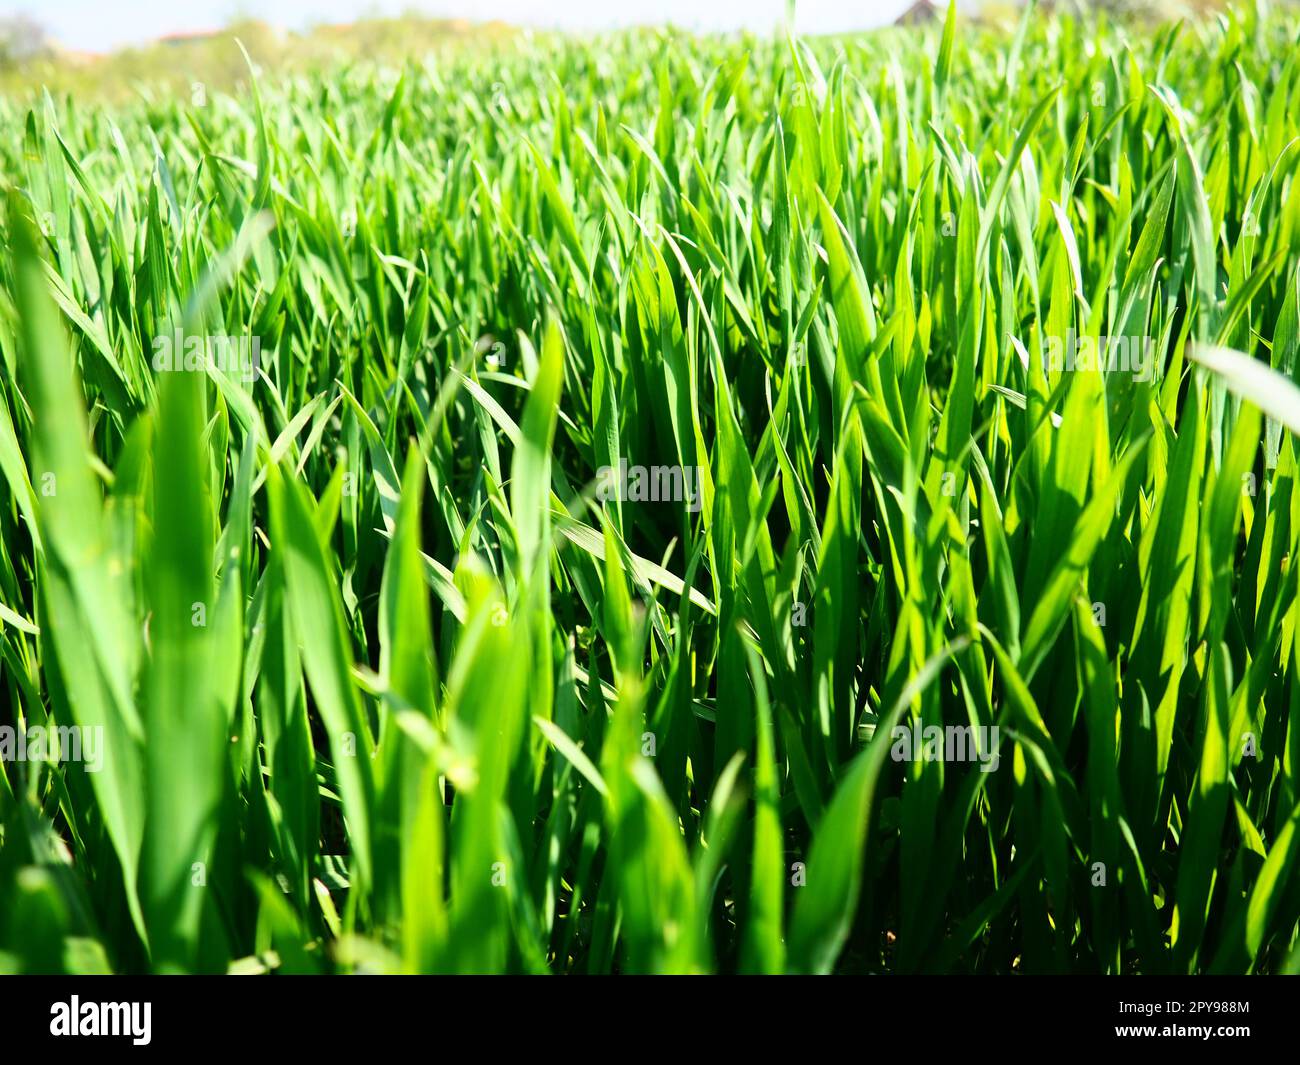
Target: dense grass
{"x": 386, "y": 680}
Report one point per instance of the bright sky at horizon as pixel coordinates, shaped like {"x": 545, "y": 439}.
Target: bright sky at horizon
{"x": 100, "y": 26}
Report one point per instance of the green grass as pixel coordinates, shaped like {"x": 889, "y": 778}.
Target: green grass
{"x": 387, "y": 678}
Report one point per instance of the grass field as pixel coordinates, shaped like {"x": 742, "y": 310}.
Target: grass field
{"x": 660, "y": 504}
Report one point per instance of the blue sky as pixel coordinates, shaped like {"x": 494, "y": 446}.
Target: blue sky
{"x": 100, "y": 25}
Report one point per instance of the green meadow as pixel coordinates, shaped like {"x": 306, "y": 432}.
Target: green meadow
{"x": 660, "y": 504}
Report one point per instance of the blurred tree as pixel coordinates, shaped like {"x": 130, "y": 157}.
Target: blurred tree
{"x": 21, "y": 39}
